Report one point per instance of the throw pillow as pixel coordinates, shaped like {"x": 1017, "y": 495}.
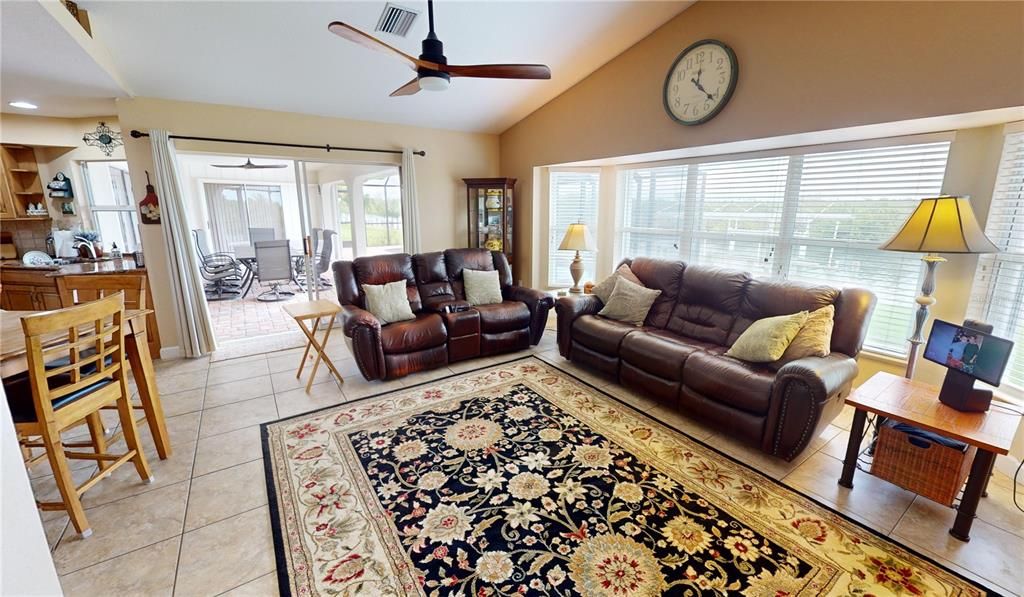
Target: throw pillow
{"x": 814, "y": 338}
{"x": 482, "y": 287}
{"x": 629, "y": 302}
{"x": 388, "y": 302}
{"x": 767, "y": 339}
{"x": 603, "y": 290}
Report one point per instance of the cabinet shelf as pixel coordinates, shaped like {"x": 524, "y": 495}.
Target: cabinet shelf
{"x": 23, "y": 170}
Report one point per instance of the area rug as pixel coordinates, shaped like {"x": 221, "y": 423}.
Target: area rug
{"x": 521, "y": 479}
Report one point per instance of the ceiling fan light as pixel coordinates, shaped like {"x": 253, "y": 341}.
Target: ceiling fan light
{"x": 433, "y": 83}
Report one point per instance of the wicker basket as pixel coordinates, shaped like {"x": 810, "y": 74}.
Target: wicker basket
{"x": 917, "y": 464}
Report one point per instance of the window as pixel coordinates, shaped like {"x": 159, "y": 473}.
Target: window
{"x": 814, "y": 217}
{"x": 111, "y": 209}
{"x": 998, "y": 293}
{"x": 573, "y": 198}
{"x": 344, "y": 221}
{"x": 235, "y": 208}
{"x": 382, "y": 215}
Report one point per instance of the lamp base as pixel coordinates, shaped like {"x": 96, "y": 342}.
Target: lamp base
{"x": 576, "y": 271}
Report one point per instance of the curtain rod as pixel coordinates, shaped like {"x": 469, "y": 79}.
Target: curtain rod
{"x": 136, "y": 134}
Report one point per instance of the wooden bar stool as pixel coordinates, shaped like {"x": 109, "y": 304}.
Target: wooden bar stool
{"x": 89, "y": 338}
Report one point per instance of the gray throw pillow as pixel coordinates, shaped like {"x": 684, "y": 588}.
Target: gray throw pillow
{"x": 604, "y": 289}
{"x": 629, "y": 302}
{"x": 388, "y": 302}
{"x": 482, "y": 287}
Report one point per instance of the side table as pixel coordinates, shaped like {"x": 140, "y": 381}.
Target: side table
{"x": 315, "y": 310}
{"x": 917, "y": 403}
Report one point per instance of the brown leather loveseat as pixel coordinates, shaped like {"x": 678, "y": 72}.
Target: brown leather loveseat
{"x": 446, "y": 329}
{"x": 677, "y": 356}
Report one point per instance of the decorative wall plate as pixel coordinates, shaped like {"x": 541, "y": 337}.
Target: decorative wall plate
{"x": 104, "y": 137}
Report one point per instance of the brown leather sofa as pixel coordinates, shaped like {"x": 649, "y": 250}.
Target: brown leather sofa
{"x": 677, "y": 356}
{"x": 446, "y": 329}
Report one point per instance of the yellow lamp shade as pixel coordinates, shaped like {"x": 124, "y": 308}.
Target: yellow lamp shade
{"x": 577, "y": 238}
{"x": 941, "y": 225}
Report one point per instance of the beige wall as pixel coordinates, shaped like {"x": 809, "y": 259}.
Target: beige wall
{"x": 450, "y": 157}
{"x": 804, "y": 66}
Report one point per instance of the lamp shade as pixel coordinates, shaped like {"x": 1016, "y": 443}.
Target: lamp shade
{"x": 577, "y": 238}
{"x": 941, "y": 225}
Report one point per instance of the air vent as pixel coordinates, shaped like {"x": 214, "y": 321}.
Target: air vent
{"x": 396, "y": 20}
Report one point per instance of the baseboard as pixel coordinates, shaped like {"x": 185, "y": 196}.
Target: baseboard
{"x": 171, "y": 352}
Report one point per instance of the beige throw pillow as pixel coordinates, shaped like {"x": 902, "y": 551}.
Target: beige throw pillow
{"x": 814, "y": 338}
{"x": 629, "y": 302}
{"x": 604, "y": 289}
{"x": 482, "y": 287}
{"x": 388, "y": 302}
{"x": 767, "y": 339}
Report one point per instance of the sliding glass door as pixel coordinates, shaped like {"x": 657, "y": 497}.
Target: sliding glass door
{"x": 236, "y": 208}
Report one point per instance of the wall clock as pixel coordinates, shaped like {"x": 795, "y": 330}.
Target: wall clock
{"x": 700, "y": 82}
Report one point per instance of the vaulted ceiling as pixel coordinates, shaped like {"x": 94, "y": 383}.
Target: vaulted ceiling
{"x": 280, "y": 56}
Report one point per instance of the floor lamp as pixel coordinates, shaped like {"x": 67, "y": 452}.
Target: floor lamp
{"x": 577, "y": 238}
{"x": 939, "y": 225}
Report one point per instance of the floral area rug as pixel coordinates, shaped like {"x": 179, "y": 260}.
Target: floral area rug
{"x": 521, "y": 479}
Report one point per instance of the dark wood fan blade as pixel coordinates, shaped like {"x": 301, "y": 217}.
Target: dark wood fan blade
{"x": 498, "y": 71}
{"x": 372, "y": 43}
{"x": 410, "y": 88}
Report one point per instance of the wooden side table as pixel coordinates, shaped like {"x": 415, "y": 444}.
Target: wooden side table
{"x": 315, "y": 310}
{"x": 916, "y": 403}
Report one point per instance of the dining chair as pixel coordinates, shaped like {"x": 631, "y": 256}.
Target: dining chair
{"x": 47, "y": 400}
{"x": 261, "y": 234}
{"x": 274, "y": 267}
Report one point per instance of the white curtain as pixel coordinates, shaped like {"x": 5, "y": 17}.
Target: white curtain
{"x": 187, "y": 296}
{"x": 410, "y": 206}
{"x": 329, "y": 213}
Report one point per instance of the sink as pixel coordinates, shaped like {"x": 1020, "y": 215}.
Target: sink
{"x": 73, "y": 260}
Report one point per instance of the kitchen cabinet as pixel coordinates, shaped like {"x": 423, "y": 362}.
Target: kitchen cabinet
{"x": 28, "y": 290}
{"x": 7, "y": 210}
{"x": 21, "y": 185}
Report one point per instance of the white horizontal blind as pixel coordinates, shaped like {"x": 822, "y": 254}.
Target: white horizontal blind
{"x": 651, "y": 218}
{"x": 573, "y": 198}
{"x": 850, "y": 202}
{"x": 738, "y": 213}
{"x": 813, "y": 217}
{"x": 998, "y": 293}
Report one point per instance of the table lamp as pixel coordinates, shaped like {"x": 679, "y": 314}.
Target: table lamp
{"x": 939, "y": 225}
{"x": 577, "y": 238}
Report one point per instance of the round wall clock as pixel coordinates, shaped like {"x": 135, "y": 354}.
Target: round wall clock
{"x": 700, "y": 82}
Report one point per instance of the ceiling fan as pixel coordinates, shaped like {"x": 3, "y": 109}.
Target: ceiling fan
{"x": 433, "y": 72}
{"x": 248, "y": 165}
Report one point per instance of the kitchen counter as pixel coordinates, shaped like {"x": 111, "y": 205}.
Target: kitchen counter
{"x": 107, "y": 266}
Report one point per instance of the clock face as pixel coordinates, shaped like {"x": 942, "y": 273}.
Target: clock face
{"x": 700, "y": 82}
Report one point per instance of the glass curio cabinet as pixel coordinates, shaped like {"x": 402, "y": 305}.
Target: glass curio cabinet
{"x": 490, "y": 213}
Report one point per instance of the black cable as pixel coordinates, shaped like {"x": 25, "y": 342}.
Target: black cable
{"x": 1015, "y": 475}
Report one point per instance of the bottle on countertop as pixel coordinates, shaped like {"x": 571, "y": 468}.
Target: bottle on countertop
{"x": 115, "y": 253}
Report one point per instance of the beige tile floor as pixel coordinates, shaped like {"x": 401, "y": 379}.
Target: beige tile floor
{"x": 203, "y": 527}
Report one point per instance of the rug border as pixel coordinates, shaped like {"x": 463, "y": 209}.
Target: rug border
{"x": 284, "y": 586}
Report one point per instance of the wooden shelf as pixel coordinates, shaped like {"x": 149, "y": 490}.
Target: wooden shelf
{"x": 26, "y": 219}
{"x": 28, "y": 193}
{"x": 23, "y": 170}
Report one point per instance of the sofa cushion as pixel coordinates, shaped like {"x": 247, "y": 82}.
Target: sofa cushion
{"x": 426, "y": 331}
{"x": 432, "y": 278}
{"x": 768, "y": 298}
{"x": 629, "y": 302}
{"x": 659, "y": 274}
{"x": 746, "y": 386}
{"x": 600, "y": 334}
{"x": 482, "y": 287}
{"x": 388, "y": 302}
{"x": 708, "y": 301}
{"x": 603, "y": 289}
{"x": 767, "y": 339}
{"x": 503, "y": 317}
{"x": 381, "y": 269}
{"x": 659, "y": 352}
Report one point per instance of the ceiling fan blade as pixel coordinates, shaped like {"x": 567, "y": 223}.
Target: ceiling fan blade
{"x": 262, "y": 166}
{"x": 372, "y": 43}
{"x": 499, "y": 71}
{"x": 410, "y": 88}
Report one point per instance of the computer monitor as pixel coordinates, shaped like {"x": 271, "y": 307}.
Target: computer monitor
{"x": 969, "y": 351}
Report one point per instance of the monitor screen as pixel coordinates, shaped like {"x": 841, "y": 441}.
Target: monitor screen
{"x": 969, "y": 351}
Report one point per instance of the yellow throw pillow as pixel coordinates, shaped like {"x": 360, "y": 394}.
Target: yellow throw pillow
{"x": 767, "y": 339}
{"x": 814, "y": 339}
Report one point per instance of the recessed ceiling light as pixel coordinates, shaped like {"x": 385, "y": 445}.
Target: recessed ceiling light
{"x": 23, "y": 105}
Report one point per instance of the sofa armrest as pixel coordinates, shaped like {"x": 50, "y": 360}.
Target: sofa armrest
{"x": 806, "y": 397}
{"x": 538, "y": 302}
{"x": 567, "y": 309}
{"x": 362, "y": 328}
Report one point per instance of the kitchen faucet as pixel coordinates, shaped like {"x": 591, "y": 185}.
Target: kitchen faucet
{"x": 80, "y": 241}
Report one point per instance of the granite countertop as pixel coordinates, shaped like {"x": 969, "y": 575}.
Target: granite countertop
{"x": 107, "y": 266}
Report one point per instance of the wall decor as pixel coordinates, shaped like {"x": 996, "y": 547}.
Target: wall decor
{"x": 104, "y": 137}
{"x": 700, "y": 82}
{"x": 60, "y": 187}
{"x": 149, "y": 207}
{"x": 67, "y": 209}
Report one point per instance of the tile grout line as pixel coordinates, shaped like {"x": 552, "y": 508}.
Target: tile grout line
{"x": 188, "y": 492}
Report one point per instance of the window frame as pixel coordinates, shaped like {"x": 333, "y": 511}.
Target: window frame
{"x": 784, "y": 243}
{"x": 129, "y": 209}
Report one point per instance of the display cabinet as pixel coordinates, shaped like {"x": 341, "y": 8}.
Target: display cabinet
{"x": 490, "y": 202}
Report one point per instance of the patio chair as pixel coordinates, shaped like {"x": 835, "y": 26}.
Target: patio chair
{"x": 274, "y": 267}
{"x": 257, "y": 235}
{"x": 321, "y": 259}
{"x": 226, "y": 277}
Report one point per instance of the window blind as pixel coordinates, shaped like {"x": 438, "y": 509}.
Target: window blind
{"x": 573, "y": 198}
{"x": 997, "y": 296}
{"x": 813, "y": 217}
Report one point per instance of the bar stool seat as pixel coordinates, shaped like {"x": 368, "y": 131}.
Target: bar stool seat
{"x": 19, "y": 394}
